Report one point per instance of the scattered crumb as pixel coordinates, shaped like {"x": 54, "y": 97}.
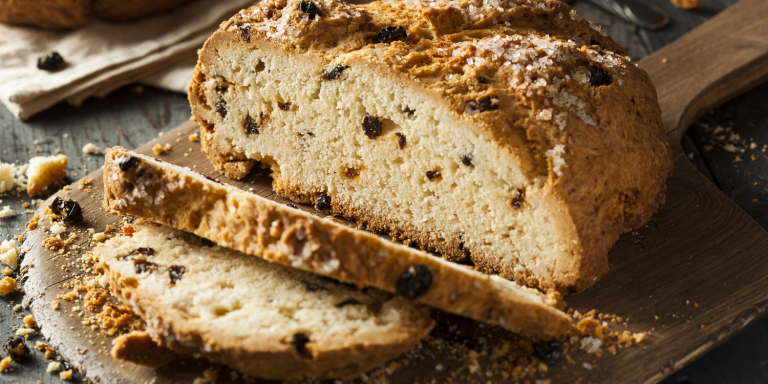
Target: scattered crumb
{"x": 193, "y": 138}
{"x": 9, "y": 254}
{"x": 53, "y": 366}
{"x": 99, "y": 236}
{"x": 158, "y": 149}
{"x": 44, "y": 172}
{"x": 29, "y": 321}
{"x": 5, "y": 365}
{"x": 167, "y": 147}
{"x": 7, "y": 285}
{"x": 90, "y": 149}
{"x": 55, "y": 304}
{"x": 6, "y": 212}
{"x": 66, "y": 375}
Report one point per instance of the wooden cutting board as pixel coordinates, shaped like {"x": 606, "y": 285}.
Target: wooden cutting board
{"x": 696, "y": 275}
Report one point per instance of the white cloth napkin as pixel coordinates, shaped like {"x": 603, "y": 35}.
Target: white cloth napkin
{"x": 102, "y": 56}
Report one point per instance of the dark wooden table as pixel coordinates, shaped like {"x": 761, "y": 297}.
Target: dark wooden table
{"x": 134, "y": 115}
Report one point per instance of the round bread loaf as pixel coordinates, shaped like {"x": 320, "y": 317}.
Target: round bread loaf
{"x": 513, "y": 135}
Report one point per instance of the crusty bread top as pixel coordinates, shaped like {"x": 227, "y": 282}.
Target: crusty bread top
{"x": 557, "y": 94}
{"x": 201, "y": 298}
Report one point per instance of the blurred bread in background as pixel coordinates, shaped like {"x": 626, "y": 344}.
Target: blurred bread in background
{"x": 67, "y": 14}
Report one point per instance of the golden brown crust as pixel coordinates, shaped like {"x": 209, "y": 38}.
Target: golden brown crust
{"x": 138, "y": 347}
{"x": 609, "y": 135}
{"x": 259, "y": 227}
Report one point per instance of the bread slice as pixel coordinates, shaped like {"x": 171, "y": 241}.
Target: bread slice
{"x": 183, "y": 199}
{"x": 259, "y": 318}
{"x": 511, "y": 133}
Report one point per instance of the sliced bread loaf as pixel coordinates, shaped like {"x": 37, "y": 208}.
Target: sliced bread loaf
{"x": 509, "y": 132}
{"x": 183, "y": 199}
{"x": 260, "y": 318}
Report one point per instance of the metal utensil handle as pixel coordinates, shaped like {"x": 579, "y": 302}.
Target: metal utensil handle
{"x": 635, "y": 12}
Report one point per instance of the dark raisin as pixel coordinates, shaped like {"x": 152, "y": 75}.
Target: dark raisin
{"x": 69, "y": 210}
{"x": 300, "y": 341}
{"x": 371, "y": 126}
{"x": 222, "y": 89}
{"x": 251, "y": 126}
{"x": 467, "y": 160}
{"x": 390, "y": 34}
{"x": 142, "y": 266}
{"x": 488, "y": 104}
{"x": 292, "y": 205}
{"x": 334, "y": 73}
{"x": 207, "y": 242}
{"x": 518, "y": 200}
{"x": 175, "y": 271}
{"x": 415, "y": 282}
{"x": 323, "y": 202}
{"x": 598, "y": 77}
{"x": 16, "y": 348}
{"x": 284, "y": 106}
{"x": 245, "y": 33}
{"x": 212, "y": 179}
{"x": 432, "y": 175}
{"x": 482, "y": 80}
{"x": 311, "y": 287}
{"x": 126, "y": 163}
{"x": 348, "y": 302}
{"x": 467, "y": 253}
{"x": 351, "y": 173}
{"x": 409, "y": 111}
{"x": 594, "y": 42}
{"x": 310, "y": 8}
{"x": 221, "y": 107}
{"x": 142, "y": 251}
{"x": 549, "y": 352}
{"x": 49, "y": 61}
{"x": 400, "y": 140}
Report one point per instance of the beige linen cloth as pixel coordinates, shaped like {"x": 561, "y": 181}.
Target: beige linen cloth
{"x": 100, "y": 57}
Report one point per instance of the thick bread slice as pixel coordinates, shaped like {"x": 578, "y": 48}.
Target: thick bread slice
{"x": 514, "y": 133}
{"x": 259, "y": 318}
{"x": 183, "y": 199}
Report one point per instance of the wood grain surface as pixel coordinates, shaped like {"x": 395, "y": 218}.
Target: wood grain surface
{"x": 128, "y": 118}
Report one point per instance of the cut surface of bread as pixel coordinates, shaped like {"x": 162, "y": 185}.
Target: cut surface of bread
{"x": 185, "y": 200}
{"x": 513, "y": 134}
{"x": 260, "y": 318}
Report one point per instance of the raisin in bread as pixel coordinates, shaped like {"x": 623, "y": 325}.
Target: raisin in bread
{"x": 259, "y": 318}
{"x": 183, "y": 199}
{"x": 65, "y": 14}
{"x": 514, "y": 134}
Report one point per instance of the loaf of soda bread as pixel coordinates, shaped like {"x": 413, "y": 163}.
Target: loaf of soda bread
{"x": 260, "y": 318}
{"x": 183, "y": 199}
{"x": 512, "y": 134}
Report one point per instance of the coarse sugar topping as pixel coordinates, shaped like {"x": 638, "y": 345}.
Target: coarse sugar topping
{"x": 558, "y": 162}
